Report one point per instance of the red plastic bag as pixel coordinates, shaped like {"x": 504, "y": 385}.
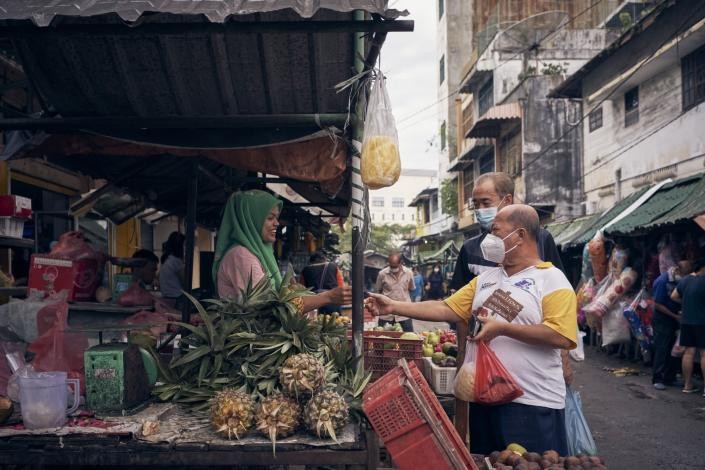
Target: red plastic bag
{"x": 57, "y": 349}
{"x": 135, "y": 296}
{"x": 494, "y": 385}
{"x": 87, "y": 260}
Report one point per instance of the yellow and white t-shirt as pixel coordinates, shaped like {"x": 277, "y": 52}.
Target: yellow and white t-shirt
{"x": 540, "y": 294}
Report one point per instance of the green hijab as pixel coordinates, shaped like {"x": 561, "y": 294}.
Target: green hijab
{"x": 244, "y": 217}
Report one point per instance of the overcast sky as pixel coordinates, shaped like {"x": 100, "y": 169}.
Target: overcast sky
{"x": 409, "y": 63}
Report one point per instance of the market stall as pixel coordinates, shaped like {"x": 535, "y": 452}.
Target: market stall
{"x": 178, "y": 108}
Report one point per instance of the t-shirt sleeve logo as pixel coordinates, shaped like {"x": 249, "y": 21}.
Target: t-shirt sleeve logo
{"x": 502, "y": 304}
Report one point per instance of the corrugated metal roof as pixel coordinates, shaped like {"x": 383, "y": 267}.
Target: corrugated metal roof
{"x": 597, "y": 222}
{"x": 674, "y": 201}
{"x": 42, "y": 12}
{"x": 490, "y": 123}
{"x": 575, "y": 227}
{"x": 439, "y": 255}
{"x": 693, "y": 206}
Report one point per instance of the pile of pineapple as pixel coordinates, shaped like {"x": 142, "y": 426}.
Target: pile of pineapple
{"x": 257, "y": 364}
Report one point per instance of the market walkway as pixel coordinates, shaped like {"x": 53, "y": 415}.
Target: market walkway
{"x": 635, "y": 426}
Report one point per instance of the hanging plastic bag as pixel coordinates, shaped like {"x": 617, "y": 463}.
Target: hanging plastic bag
{"x": 578, "y": 354}
{"x": 88, "y": 263}
{"x": 615, "y": 328}
{"x": 586, "y": 271}
{"x": 483, "y": 379}
{"x": 58, "y": 349}
{"x": 580, "y": 439}
{"x": 634, "y": 313}
{"x": 598, "y": 256}
{"x": 380, "y": 166}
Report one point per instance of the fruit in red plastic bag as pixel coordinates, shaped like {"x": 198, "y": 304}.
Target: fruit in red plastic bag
{"x": 87, "y": 260}
{"x": 135, "y": 296}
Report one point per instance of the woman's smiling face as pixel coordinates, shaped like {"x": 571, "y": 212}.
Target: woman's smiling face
{"x": 271, "y": 223}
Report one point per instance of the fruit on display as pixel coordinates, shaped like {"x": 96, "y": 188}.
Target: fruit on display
{"x": 449, "y": 361}
{"x": 380, "y": 165}
{"x": 338, "y": 319}
{"x": 259, "y": 347}
{"x": 450, "y": 349}
{"x": 427, "y": 350}
{"x": 410, "y": 335}
{"x": 326, "y": 414}
{"x": 437, "y": 357}
{"x": 433, "y": 338}
{"x": 277, "y": 417}
{"x": 512, "y": 459}
{"x": 302, "y": 375}
{"x": 6, "y": 409}
{"x": 232, "y": 413}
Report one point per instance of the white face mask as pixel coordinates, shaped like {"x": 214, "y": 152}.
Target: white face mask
{"x": 492, "y": 247}
{"x": 393, "y": 270}
{"x": 436, "y": 270}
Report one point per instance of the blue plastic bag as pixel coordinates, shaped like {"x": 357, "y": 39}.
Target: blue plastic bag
{"x": 580, "y": 439}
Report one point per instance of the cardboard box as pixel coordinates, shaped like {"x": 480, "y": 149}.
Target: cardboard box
{"x": 51, "y": 277}
{"x": 15, "y": 206}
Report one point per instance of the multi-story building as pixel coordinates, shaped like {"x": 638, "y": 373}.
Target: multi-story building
{"x": 506, "y": 121}
{"x": 391, "y": 205}
{"x": 644, "y": 105}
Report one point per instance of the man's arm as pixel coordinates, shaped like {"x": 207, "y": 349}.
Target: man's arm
{"x": 378, "y": 283}
{"x": 675, "y": 296}
{"x": 432, "y": 310}
{"x": 412, "y": 284}
{"x": 538, "y": 335}
{"x": 666, "y": 311}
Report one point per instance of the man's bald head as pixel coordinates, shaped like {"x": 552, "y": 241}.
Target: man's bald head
{"x": 394, "y": 259}
{"x": 522, "y": 216}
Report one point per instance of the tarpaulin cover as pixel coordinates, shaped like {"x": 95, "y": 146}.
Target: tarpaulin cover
{"x": 321, "y": 157}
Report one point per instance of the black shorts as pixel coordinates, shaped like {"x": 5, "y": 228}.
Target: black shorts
{"x": 693, "y": 336}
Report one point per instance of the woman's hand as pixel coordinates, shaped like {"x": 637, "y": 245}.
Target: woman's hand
{"x": 340, "y": 295}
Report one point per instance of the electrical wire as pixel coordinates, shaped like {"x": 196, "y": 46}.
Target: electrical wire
{"x": 676, "y": 33}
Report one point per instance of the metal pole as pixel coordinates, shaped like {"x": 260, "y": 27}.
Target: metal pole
{"x": 357, "y": 213}
{"x": 192, "y": 204}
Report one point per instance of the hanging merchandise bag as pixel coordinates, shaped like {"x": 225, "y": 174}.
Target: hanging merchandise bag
{"x": 615, "y": 328}
{"x": 483, "y": 379}
{"x": 381, "y": 165}
{"x": 580, "y": 439}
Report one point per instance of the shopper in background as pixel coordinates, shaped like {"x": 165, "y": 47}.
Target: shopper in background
{"x": 321, "y": 275}
{"x": 172, "y": 273}
{"x": 665, "y": 323}
{"x": 146, "y": 274}
{"x": 396, "y": 282}
{"x": 434, "y": 284}
{"x": 690, "y": 292}
{"x": 417, "y": 294}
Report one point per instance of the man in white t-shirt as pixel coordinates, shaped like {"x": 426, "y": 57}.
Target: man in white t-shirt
{"x": 527, "y": 309}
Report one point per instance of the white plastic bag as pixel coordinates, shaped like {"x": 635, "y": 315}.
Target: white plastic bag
{"x": 578, "y": 354}
{"x": 380, "y": 166}
{"x": 615, "y": 328}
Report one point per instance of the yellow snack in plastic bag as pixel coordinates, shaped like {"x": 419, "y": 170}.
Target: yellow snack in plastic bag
{"x": 380, "y": 166}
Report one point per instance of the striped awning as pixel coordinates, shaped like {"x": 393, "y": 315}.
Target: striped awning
{"x": 490, "y": 124}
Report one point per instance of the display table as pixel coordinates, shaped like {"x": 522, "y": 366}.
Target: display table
{"x": 181, "y": 439}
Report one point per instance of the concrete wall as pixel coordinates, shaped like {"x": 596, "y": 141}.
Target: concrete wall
{"x": 662, "y": 139}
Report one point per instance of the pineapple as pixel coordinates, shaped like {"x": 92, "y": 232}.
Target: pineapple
{"x": 276, "y": 417}
{"x": 326, "y": 414}
{"x": 302, "y": 374}
{"x": 232, "y": 413}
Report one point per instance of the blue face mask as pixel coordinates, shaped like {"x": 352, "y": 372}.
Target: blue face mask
{"x": 485, "y": 217}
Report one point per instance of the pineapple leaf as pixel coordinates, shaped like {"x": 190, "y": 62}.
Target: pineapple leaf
{"x": 193, "y": 329}
{"x": 205, "y": 316}
{"x": 191, "y": 356}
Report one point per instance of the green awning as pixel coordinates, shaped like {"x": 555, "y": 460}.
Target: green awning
{"x": 439, "y": 255}
{"x": 676, "y": 201}
{"x": 573, "y": 229}
{"x": 556, "y": 228}
{"x": 597, "y": 222}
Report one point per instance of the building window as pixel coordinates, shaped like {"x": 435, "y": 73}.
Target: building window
{"x": 631, "y": 107}
{"x": 510, "y": 153}
{"x": 595, "y": 118}
{"x": 443, "y": 136}
{"x": 440, "y": 8}
{"x": 392, "y": 215}
{"x": 693, "y": 75}
{"x": 377, "y": 201}
{"x": 412, "y": 217}
{"x": 468, "y": 182}
{"x": 485, "y": 98}
{"x": 402, "y": 217}
{"x": 398, "y": 202}
{"x": 383, "y": 217}
{"x": 373, "y": 216}
{"x": 487, "y": 162}
{"x": 443, "y": 69}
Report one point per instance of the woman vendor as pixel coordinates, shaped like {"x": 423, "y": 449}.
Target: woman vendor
{"x": 244, "y": 250}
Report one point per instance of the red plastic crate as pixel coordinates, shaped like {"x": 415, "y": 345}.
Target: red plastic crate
{"x": 382, "y": 354}
{"x": 411, "y": 422}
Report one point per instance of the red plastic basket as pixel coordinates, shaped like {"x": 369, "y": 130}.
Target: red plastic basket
{"x": 382, "y": 354}
{"x": 411, "y": 422}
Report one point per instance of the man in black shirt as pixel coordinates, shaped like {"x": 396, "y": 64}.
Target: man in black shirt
{"x": 320, "y": 276}
{"x": 493, "y": 191}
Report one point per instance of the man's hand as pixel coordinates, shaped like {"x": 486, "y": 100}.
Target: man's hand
{"x": 340, "y": 295}
{"x": 490, "y": 329}
{"x": 378, "y": 305}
